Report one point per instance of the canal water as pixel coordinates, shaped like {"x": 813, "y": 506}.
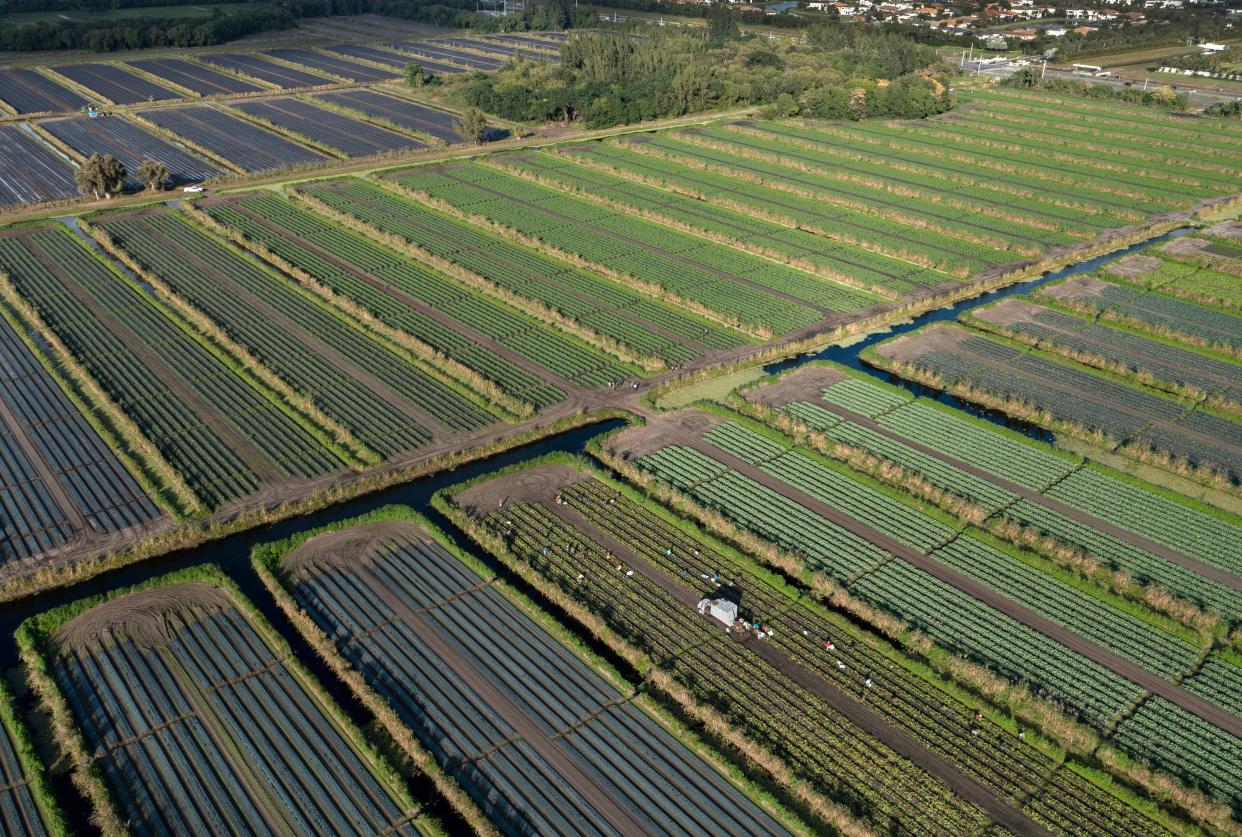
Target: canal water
{"x": 232, "y": 554}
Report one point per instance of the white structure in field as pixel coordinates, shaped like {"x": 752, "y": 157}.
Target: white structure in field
{"x": 721, "y": 609}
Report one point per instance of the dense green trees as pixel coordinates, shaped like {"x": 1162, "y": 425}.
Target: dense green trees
{"x": 1161, "y": 96}
{"x": 603, "y": 80}
{"x": 101, "y": 176}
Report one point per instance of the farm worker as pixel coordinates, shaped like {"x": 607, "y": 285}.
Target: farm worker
{"x": 868, "y": 683}
{"x": 893, "y": 697}
{"x": 840, "y": 666}
{"x": 829, "y": 646}
{"x": 557, "y": 498}
{"x": 545, "y": 551}
{"x": 581, "y": 576}
{"x": 1022, "y": 736}
{"x": 620, "y": 566}
{"x": 669, "y": 552}
{"x": 636, "y": 385}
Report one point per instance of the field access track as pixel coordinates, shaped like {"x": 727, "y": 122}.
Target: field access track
{"x": 131, "y": 144}
{"x": 198, "y": 726}
{"x": 242, "y": 143}
{"x": 30, "y": 171}
{"x": 29, "y": 92}
{"x": 538, "y": 740}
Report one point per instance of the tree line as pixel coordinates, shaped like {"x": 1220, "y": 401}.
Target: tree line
{"x": 834, "y": 72}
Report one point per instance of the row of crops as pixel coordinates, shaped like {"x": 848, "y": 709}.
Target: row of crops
{"x": 49, "y": 436}
{"x": 954, "y": 619}
{"x": 1149, "y": 310}
{"x": 752, "y": 291}
{"x": 641, "y": 323}
{"x": 201, "y": 726}
{"x": 508, "y": 712}
{"x": 221, "y": 435}
{"x": 934, "y": 180}
{"x": 947, "y": 443}
{"x": 1199, "y": 276}
{"x": 1066, "y": 395}
{"x": 1142, "y": 359}
{"x": 912, "y": 228}
{"x": 853, "y": 247}
{"x": 826, "y": 749}
{"x": 445, "y": 313}
{"x": 599, "y": 515}
{"x": 316, "y": 352}
{"x": 964, "y": 551}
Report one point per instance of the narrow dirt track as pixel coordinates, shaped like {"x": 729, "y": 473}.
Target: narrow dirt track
{"x": 1120, "y": 666}
{"x": 1001, "y": 811}
{"x": 1216, "y": 574}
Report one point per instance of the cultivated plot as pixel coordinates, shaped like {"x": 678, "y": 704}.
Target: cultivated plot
{"x": 434, "y": 50}
{"x": 845, "y": 707}
{"x": 30, "y": 171}
{"x": 202, "y": 80}
{"x": 130, "y": 144}
{"x": 385, "y": 405}
{"x": 968, "y": 595}
{"x": 369, "y": 53}
{"x": 538, "y": 740}
{"x": 242, "y": 143}
{"x": 216, "y": 431}
{"x": 60, "y": 481}
{"x": 196, "y": 721}
{"x": 116, "y": 84}
{"x": 351, "y": 137}
{"x": 29, "y": 92}
{"x": 269, "y": 71}
{"x": 1070, "y": 397}
{"x": 348, "y": 70}
{"x": 498, "y": 48}
{"x": 410, "y": 115}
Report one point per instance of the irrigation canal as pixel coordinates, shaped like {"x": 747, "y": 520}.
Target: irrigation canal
{"x": 232, "y": 553}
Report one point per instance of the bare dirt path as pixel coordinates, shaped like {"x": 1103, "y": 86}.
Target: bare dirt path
{"x": 1181, "y": 698}
{"x": 250, "y": 455}
{"x": 540, "y": 741}
{"x": 1001, "y": 811}
{"x": 1209, "y": 571}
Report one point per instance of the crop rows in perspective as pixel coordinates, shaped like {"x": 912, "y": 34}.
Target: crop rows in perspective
{"x": 642, "y": 324}
{"x": 1166, "y": 366}
{"x": 131, "y": 145}
{"x": 115, "y": 83}
{"x": 571, "y": 543}
{"x": 59, "y": 478}
{"x": 195, "y": 77}
{"x": 316, "y": 352}
{"x": 244, "y": 144}
{"x": 200, "y": 725}
{"x": 501, "y": 343}
{"x": 843, "y": 412}
{"x": 351, "y": 137}
{"x": 218, "y": 432}
{"x": 505, "y": 710}
{"x": 1199, "y": 275}
{"x": 1071, "y": 396}
{"x": 31, "y": 172}
{"x": 1149, "y": 310}
{"x": 981, "y": 630}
